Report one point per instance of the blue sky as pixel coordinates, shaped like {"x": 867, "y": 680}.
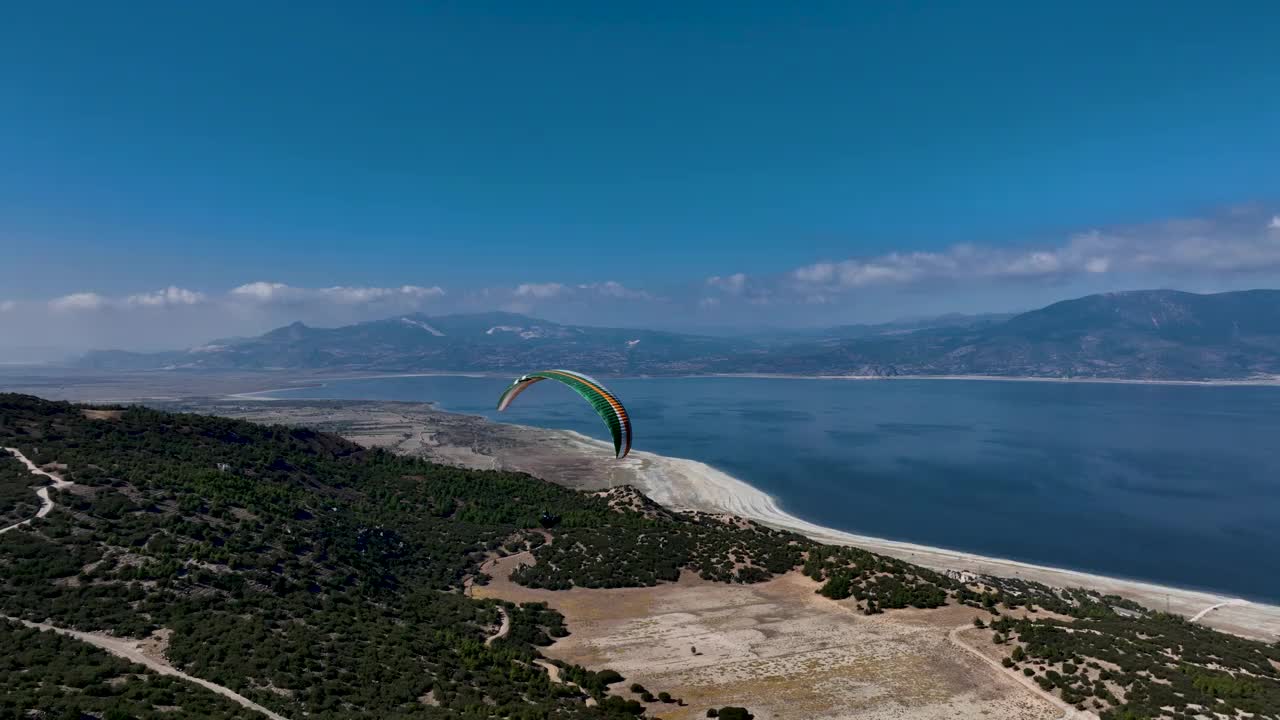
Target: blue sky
{"x": 479, "y": 147}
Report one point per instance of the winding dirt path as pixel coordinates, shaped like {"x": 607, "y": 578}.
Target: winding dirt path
{"x": 46, "y": 503}
{"x": 503, "y": 629}
{"x": 1068, "y": 712}
{"x": 130, "y": 650}
{"x": 1211, "y": 608}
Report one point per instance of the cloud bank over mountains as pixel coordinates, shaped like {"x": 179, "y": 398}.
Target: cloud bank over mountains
{"x": 1240, "y": 241}
{"x": 1234, "y": 248}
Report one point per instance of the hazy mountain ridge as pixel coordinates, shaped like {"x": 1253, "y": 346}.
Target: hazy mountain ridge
{"x": 1149, "y": 334}
{"x": 478, "y": 342}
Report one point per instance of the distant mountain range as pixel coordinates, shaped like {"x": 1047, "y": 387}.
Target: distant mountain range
{"x": 477, "y": 342}
{"x": 1149, "y": 334}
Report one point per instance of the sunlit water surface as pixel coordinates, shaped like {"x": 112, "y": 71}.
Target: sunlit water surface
{"x": 1174, "y": 484}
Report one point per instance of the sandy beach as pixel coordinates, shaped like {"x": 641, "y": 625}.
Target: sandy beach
{"x": 681, "y": 484}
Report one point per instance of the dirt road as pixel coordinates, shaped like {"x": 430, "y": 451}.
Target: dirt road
{"x": 46, "y": 503}
{"x": 503, "y": 629}
{"x": 130, "y": 650}
{"x": 1068, "y": 712}
{"x": 1198, "y": 616}
{"x": 120, "y": 647}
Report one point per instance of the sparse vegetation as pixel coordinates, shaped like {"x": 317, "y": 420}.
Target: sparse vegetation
{"x": 1142, "y": 667}
{"x": 290, "y": 563}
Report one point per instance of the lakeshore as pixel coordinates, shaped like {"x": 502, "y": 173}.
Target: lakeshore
{"x": 689, "y": 485}
{"x": 579, "y": 461}
{"x": 681, "y": 484}
{"x": 324, "y": 380}
{"x": 177, "y": 385}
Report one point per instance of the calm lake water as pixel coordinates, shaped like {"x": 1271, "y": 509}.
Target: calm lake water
{"x": 1173, "y": 484}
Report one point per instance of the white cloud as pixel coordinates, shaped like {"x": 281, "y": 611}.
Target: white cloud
{"x": 275, "y": 292}
{"x": 1228, "y": 243}
{"x": 1237, "y": 247}
{"x": 359, "y": 295}
{"x": 169, "y": 296}
{"x": 422, "y": 292}
{"x": 732, "y": 284}
{"x": 89, "y": 301}
{"x": 816, "y": 274}
{"x": 261, "y": 291}
{"x": 173, "y": 317}
{"x": 539, "y": 291}
{"x": 354, "y": 295}
{"x": 607, "y": 288}
{"x": 756, "y": 291}
{"x": 78, "y": 301}
{"x": 614, "y": 289}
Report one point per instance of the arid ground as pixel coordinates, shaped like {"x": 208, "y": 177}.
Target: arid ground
{"x": 778, "y": 649}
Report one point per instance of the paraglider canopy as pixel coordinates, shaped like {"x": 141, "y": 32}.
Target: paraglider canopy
{"x": 605, "y": 403}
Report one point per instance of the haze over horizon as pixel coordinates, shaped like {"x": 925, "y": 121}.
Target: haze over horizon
{"x": 223, "y": 171}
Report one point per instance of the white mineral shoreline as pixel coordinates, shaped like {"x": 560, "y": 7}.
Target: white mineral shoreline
{"x": 681, "y": 484}
{"x": 1264, "y": 381}
{"x": 325, "y": 382}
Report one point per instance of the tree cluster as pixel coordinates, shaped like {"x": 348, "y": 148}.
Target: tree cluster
{"x": 309, "y": 574}
{"x": 1159, "y": 665}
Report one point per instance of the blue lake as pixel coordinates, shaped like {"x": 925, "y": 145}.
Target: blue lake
{"x": 1179, "y": 485}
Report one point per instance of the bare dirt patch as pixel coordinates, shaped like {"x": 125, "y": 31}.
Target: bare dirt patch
{"x": 101, "y": 414}
{"x": 156, "y": 645}
{"x": 776, "y": 648}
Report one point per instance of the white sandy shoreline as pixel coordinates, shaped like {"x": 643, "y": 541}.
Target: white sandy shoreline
{"x": 325, "y": 381}
{"x": 682, "y": 484}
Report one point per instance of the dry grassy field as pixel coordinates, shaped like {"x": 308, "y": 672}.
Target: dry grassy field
{"x": 778, "y": 649}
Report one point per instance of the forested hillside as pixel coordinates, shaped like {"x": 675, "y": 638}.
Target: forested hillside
{"x": 322, "y": 579}
{"x": 18, "y": 499}
{"x": 303, "y": 571}
{"x": 65, "y": 678}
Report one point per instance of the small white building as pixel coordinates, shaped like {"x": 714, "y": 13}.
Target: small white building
{"x": 963, "y": 576}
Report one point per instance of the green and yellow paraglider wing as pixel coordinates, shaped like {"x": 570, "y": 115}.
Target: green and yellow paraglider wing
{"x": 606, "y": 404}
